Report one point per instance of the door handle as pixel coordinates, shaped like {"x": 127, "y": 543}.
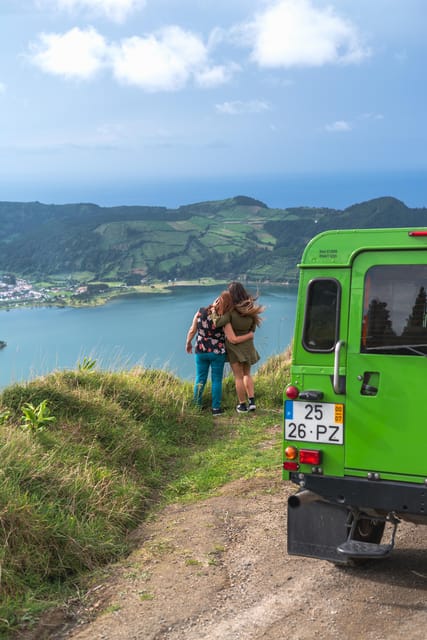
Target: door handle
{"x": 336, "y": 379}
{"x": 370, "y": 383}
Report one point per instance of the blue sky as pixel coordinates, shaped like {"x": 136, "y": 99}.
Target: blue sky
{"x": 97, "y": 95}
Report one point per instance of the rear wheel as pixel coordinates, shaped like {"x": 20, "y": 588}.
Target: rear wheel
{"x": 369, "y": 530}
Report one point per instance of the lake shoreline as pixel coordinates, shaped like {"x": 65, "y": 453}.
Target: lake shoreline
{"x": 158, "y": 288}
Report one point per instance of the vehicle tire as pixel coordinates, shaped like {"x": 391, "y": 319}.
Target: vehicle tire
{"x": 369, "y": 530}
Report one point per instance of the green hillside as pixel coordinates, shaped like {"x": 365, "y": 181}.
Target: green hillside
{"x": 222, "y": 239}
{"x": 88, "y": 454}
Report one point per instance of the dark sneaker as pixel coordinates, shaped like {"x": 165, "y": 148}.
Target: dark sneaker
{"x": 217, "y": 412}
{"x": 242, "y": 408}
{"x": 252, "y": 406}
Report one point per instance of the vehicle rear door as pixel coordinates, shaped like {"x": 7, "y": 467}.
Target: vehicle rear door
{"x": 386, "y": 376}
{"x": 321, "y": 325}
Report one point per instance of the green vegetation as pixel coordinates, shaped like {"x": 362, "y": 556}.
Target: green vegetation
{"x": 87, "y": 454}
{"x": 119, "y": 247}
{"x": 36, "y": 418}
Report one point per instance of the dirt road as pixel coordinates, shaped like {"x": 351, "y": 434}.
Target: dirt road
{"x": 218, "y": 570}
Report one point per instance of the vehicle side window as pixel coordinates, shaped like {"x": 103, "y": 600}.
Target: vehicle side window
{"x": 395, "y": 310}
{"x": 321, "y": 321}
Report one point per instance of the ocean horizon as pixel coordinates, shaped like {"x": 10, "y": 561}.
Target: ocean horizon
{"x": 331, "y": 190}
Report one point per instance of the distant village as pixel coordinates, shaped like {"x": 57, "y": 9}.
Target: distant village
{"x": 14, "y": 289}
{"x": 16, "y": 292}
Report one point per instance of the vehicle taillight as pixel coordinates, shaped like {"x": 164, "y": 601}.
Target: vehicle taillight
{"x": 290, "y": 466}
{"x": 310, "y": 456}
{"x": 291, "y": 453}
{"x": 292, "y": 392}
{"x": 417, "y": 233}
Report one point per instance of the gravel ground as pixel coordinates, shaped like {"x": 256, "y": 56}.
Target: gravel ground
{"x": 218, "y": 570}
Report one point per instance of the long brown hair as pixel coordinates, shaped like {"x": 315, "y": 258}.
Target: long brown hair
{"x": 244, "y": 303}
{"x": 223, "y": 304}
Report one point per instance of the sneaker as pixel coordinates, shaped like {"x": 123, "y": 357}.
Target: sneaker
{"x": 242, "y": 408}
{"x": 252, "y": 406}
{"x": 217, "y": 412}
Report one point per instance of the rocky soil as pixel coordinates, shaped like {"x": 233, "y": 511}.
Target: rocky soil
{"x": 218, "y": 570}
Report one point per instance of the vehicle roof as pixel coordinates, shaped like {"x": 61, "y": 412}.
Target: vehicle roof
{"x": 339, "y": 247}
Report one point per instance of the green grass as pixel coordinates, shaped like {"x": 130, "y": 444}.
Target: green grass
{"x": 120, "y": 444}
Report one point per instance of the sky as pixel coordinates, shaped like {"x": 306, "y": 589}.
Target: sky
{"x": 125, "y": 101}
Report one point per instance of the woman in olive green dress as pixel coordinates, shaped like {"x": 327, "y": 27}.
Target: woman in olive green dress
{"x": 243, "y": 317}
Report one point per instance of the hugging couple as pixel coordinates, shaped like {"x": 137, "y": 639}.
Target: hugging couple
{"x": 225, "y": 332}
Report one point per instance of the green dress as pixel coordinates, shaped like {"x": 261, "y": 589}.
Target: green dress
{"x": 245, "y": 351}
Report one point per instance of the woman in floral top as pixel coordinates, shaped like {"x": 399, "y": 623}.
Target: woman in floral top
{"x": 210, "y": 352}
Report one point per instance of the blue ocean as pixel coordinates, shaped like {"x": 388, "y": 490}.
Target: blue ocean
{"x": 336, "y": 191}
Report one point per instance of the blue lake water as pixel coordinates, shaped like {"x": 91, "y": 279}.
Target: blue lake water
{"x": 147, "y": 330}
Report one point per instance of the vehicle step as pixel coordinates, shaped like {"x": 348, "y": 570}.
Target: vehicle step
{"x": 358, "y": 549}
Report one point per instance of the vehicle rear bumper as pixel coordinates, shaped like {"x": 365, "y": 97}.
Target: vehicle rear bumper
{"x": 380, "y": 495}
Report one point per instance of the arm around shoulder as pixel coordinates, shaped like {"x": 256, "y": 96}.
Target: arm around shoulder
{"x": 231, "y": 336}
{"x": 221, "y": 321}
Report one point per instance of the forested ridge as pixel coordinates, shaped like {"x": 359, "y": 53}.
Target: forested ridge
{"x": 236, "y": 236}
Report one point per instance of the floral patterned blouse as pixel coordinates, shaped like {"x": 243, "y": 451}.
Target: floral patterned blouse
{"x": 210, "y": 339}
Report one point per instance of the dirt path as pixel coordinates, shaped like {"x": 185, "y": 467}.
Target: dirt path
{"x": 218, "y": 570}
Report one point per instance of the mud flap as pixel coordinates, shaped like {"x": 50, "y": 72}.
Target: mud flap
{"x": 316, "y": 529}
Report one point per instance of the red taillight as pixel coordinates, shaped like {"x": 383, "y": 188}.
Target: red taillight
{"x": 417, "y": 233}
{"x": 291, "y": 392}
{"x": 291, "y": 466}
{"x": 310, "y": 456}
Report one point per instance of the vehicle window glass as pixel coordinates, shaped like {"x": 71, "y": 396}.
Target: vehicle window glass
{"x": 395, "y": 310}
{"x": 321, "y": 315}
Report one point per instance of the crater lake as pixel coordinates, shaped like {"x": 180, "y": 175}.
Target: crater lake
{"x": 146, "y": 330}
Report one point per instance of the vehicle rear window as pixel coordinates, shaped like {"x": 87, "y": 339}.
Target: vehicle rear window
{"x": 321, "y": 315}
{"x": 395, "y": 310}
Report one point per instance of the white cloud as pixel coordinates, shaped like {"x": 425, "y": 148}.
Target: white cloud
{"x": 339, "y": 126}
{"x": 116, "y": 10}
{"x": 2, "y": 88}
{"x": 238, "y": 107}
{"x": 77, "y": 53}
{"x": 163, "y": 61}
{"x": 159, "y": 62}
{"x": 287, "y": 33}
{"x": 342, "y": 126}
{"x": 292, "y": 33}
{"x": 216, "y": 75}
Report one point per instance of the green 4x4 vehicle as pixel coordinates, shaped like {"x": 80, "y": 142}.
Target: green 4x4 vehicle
{"x": 355, "y": 434}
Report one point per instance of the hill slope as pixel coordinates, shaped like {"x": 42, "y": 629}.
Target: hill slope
{"x": 221, "y": 238}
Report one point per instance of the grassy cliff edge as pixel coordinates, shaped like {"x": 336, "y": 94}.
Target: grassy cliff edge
{"x": 87, "y": 454}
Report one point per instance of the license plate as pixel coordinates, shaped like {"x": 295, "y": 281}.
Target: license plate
{"x": 314, "y": 422}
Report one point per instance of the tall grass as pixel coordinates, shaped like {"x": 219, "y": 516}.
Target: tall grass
{"x": 272, "y": 377}
{"x": 72, "y": 488}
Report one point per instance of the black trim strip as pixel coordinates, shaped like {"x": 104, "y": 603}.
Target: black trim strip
{"x": 383, "y": 495}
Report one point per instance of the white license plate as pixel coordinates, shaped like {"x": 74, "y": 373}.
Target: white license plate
{"x": 314, "y": 422}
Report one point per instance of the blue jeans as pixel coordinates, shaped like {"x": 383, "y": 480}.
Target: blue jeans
{"x": 203, "y": 361}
